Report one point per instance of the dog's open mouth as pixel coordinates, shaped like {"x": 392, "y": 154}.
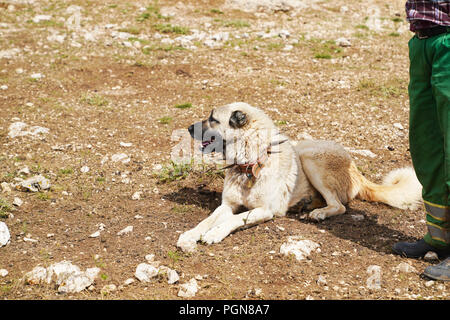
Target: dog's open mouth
{"x": 205, "y": 144}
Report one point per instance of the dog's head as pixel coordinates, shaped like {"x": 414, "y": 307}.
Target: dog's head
{"x": 237, "y": 124}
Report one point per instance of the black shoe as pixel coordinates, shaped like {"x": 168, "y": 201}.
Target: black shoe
{"x": 418, "y": 249}
{"x": 440, "y": 272}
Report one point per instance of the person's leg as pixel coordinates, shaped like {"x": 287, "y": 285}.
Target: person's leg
{"x": 428, "y": 132}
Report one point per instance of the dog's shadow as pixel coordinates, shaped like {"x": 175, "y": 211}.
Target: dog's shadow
{"x": 355, "y": 225}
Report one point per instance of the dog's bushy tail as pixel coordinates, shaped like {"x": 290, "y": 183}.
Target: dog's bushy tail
{"x": 400, "y": 188}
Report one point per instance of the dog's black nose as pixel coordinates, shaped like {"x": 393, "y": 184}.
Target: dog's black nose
{"x": 191, "y": 129}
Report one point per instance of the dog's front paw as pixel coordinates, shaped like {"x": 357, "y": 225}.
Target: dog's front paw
{"x": 187, "y": 241}
{"x": 318, "y": 215}
{"x": 216, "y": 234}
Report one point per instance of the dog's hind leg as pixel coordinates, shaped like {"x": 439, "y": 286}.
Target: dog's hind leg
{"x": 187, "y": 240}
{"x": 334, "y": 205}
{"x": 242, "y": 220}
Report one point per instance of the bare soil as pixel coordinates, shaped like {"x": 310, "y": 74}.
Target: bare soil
{"x": 97, "y": 89}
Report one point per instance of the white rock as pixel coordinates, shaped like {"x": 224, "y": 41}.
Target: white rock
{"x": 5, "y": 187}
{"x": 189, "y": 289}
{"x": 25, "y": 170}
{"x": 17, "y": 129}
{"x": 67, "y": 276}
{"x": 3, "y": 272}
{"x": 136, "y": 195}
{"x": 125, "y": 230}
{"x": 128, "y": 281}
{"x": 84, "y": 169}
{"x": 431, "y": 256}
{"x": 343, "y": 42}
{"x": 122, "y": 157}
{"x": 145, "y": 272}
{"x": 357, "y": 217}
{"x": 301, "y": 249}
{"x": 96, "y": 234}
{"x": 36, "y": 76}
{"x": 4, "y": 87}
{"x": 398, "y": 126}
{"x": 109, "y": 288}
{"x": 150, "y": 257}
{"x": 17, "y": 202}
{"x": 321, "y": 280}
{"x": 36, "y": 276}
{"x": 288, "y": 47}
{"x": 405, "y": 267}
{"x": 41, "y": 17}
{"x": 4, "y": 234}
{"x": 27, "y": 239}
{"x": 36, "y": 183}
{"x": 125, "y": 144}
{"x": 429, "y": 283}
{"x": 172, "y": 276}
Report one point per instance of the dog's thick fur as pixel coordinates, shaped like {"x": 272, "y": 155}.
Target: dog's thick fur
{"x": 319, "y": 174}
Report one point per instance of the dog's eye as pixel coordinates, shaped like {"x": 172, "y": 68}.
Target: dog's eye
{"x": 212, "y": 120}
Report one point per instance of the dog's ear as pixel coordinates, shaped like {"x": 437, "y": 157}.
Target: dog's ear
{"x": 238, "y": 119}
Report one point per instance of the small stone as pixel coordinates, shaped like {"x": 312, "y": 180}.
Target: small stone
{"x": 398, "y": 126}
{"x": 172, "y": 276}
{"x": 108, "y": 288}
{"x": 429, "y": 283}
{"x": 122, "y": 157}
{"x": 3, "y": 272}
{"x": 125, "y": 144}
{"x": 36, "y": 183}
{"x": 145, "y": 272}
{"x": 17, "y": 202}
{"x": 36, "y": 76}
{"x": 405, "y": 267}
{"x": 4, "y": 87}
{"x": 321, "y": 280}
{"x": 301, "y": 249}
{"x": 128, "y": 281}
{"x": 357, "y": 217}
{"x": 5, "y": 187}
{"x": 84, "y": 169}
{"x": 4, "y": 234}
{"x": 343, "y": 42}
{"x": 96, "y": 234}
{"x": 125, "y": 231}
{"x": 189, "y": 289}
{"x": 431, "y": 256}
{"x": 136, "y": 195}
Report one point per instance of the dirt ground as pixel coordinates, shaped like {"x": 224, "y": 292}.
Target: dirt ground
{"x": 116, "y": 77}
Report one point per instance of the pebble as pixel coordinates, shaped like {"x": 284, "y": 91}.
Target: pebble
{"x": 4, "y": 87}
{"x": 108, "y": 288}
{"x": 36, "y": 183}
{"x": 4, "y": 234}
{"x": 405, "y": 267}
{"x": 3, "y": 272}
{"x": 301, "y": 249}
{"x": 5, "y": 187}
{"x": 343, "y": 42}
{"x": 17, "y": 202}
{"x": 84, "y": 169}
{"x": 136, "y": 195}
{"x": 145, "y": 272}
{"x": 189, "y": 289}
{"x": 125, "y": 230}
{"x": 398, "y": 126}
{"x": 431, "y": 256}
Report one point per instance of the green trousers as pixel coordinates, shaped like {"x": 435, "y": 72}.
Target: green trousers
{"x": 429, "y": 130}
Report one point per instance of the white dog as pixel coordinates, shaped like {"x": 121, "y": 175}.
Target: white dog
{"x": 267, "y": 174}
